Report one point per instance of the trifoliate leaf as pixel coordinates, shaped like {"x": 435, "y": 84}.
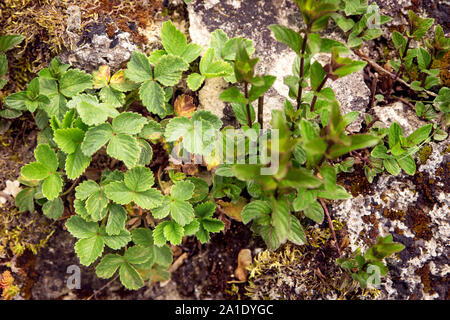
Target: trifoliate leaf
{"x": 139, "y": 68}
{"x": 129, "y": 123}
{"x": 168, "y": 70}
{"x": 73, "y": 82}
{"x": 163, "y": 210}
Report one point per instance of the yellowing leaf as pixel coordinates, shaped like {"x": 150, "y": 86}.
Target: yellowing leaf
{"x": 233, "y": 210}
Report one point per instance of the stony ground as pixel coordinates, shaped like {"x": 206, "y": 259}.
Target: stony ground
{"x": 414, "y": 209}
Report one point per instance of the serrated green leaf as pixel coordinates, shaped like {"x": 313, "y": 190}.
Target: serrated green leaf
{"x": 118, "y": 241}
{"x": 315, "y": 212}
{"x": 108, "y": 266}
{"x": 168, "y": 70}
{"x": 125, "y": 148}
{"x": 191, "y": 228}
{"x": 182, "y": 212}
{"x": 9, "y": 41}
{"x": 52, "y": 186}
{"x": 194, "y": 81}
{"x": 119, "y": 193}
{"x": 139, "y": 68}
{"x": 148, "y": 199}
{"x": 53, "y": 209}
{"x": 191, "y": 52}
{"x": 112, "y": 96}
{"x": 182, "y": 190}
{"x": 142, "y": 236}
{"x": 89, "y": 249}
{"x": 128, "y": 123}
{"x": 138, "y": 254}
{"x": 297, "y": 234}
{"x": 130, "y": 278}
{"x": 96, "y": 137}
{"x": 68, "y": 139}
{"x": 158, "y": 234}
{"x": 173, "y": 40}
{"x": 173, "y": 232}
{"x": 24, "y": 200}
{"x": 254, "y": 210}
{"x": 212, "y": 225}
{"x": 90, "y": 110}
{"x": 76, "y": 163}
{"x": 139, "y": 179}
{"x": 74, "y": 81}
{"x": 152, "y": 96}
{"x": 81, "y": 229}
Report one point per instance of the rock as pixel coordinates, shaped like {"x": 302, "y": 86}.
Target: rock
{"x": 251, "y": 19}
{"x": 101, "y": 50}
{"x": 400, "y": 113}
{"x": 414, "y": 209}
{"x": 208, "y": 96}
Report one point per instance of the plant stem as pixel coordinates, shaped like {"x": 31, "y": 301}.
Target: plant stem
{"x": 379, "y": 68}
{"x": 249, "y": 114}
{"x": 330, "y": 222}
{"x": 319, "y": 88}
{"x": 71, "y": 187}
{"x": 302, "y": 70}
{"x": 260, "y": 110}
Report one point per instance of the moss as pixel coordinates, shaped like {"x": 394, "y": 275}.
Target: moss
{"x": 425, "y": 153}
{"x": 394, "y": 214}
{"x": 444, "y": 65}
{"x": 419, "y": 222}
{"x": 303, "y": 272}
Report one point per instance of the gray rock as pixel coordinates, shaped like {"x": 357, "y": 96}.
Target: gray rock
{"x": 251, "y": 19}
{"x": 101, "y": 50}
{"x": 400, "y": 113}
{"x": 415, "y": 211}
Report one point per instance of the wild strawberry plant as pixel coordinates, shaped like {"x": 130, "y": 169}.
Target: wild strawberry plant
{"x": 86, "y": 117}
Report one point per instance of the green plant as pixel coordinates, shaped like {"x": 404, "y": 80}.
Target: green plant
{"x": 291, "y": 179}
{"x": 398, "y": 154}
{"x": 368, "y": 267}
